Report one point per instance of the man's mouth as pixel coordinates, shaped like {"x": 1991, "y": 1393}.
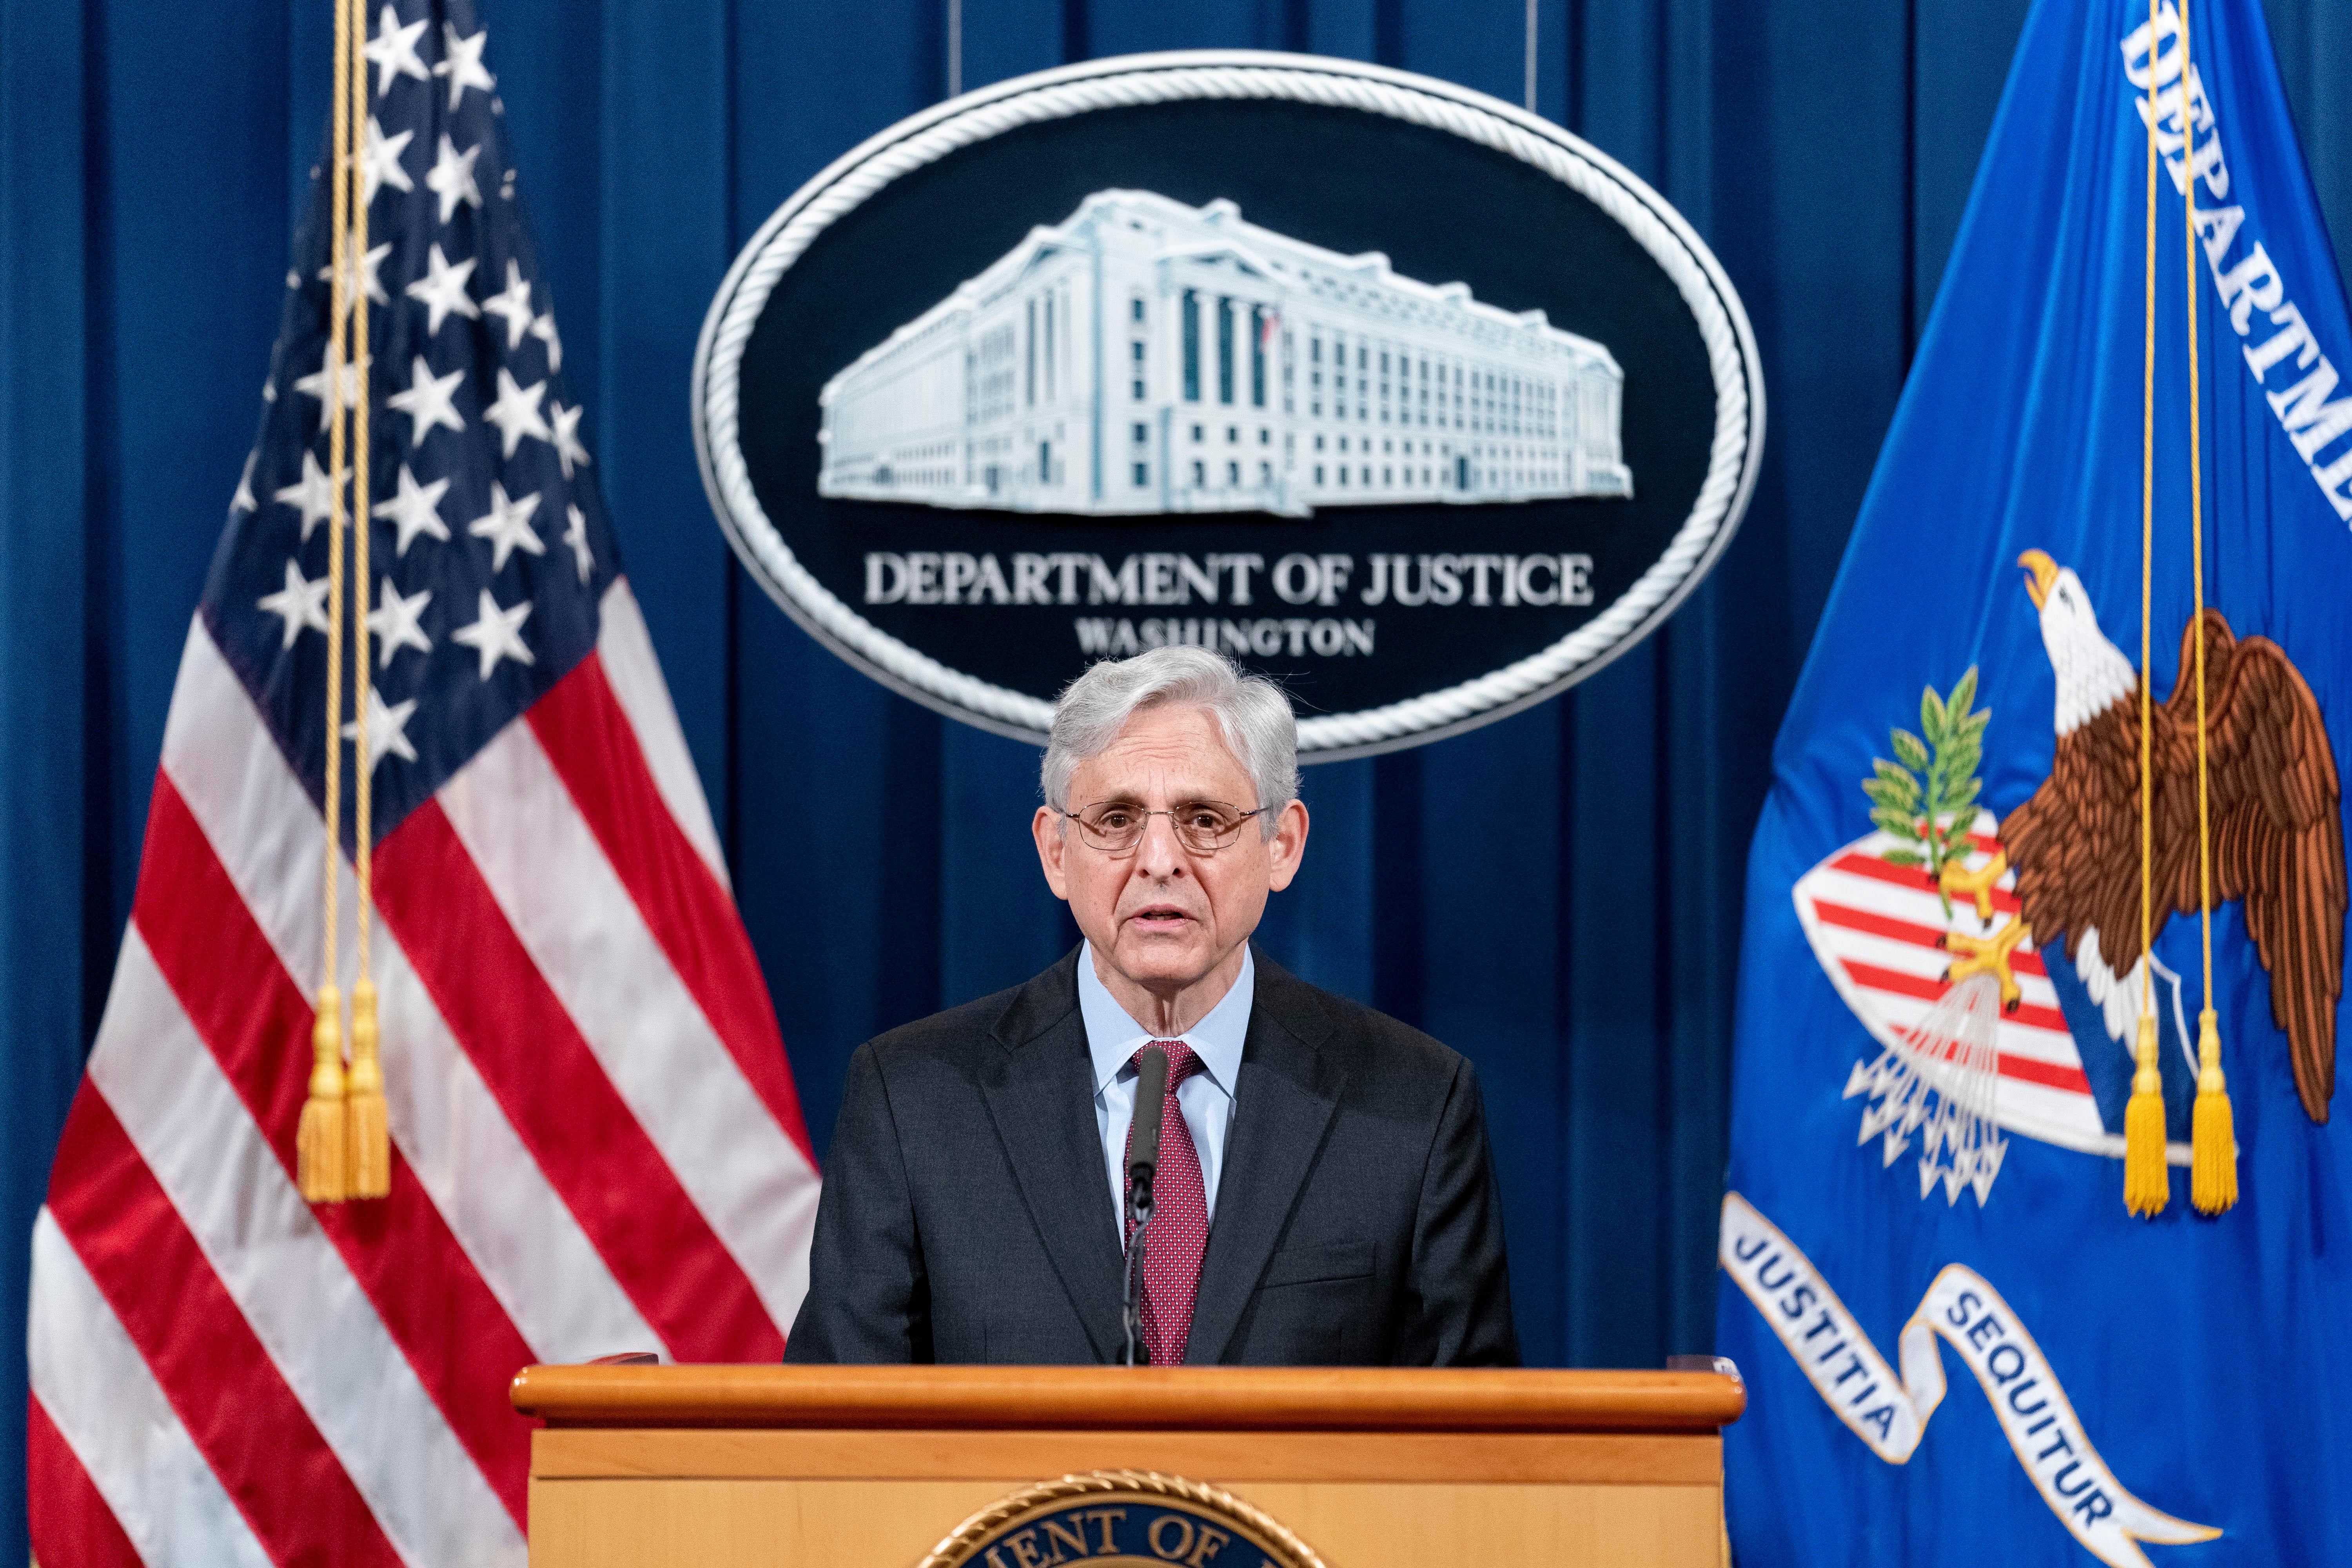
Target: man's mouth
{"x": 1158, "y": 917}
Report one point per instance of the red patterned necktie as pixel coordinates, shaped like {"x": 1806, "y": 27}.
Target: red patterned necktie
{"x": 1179, "y": 1219}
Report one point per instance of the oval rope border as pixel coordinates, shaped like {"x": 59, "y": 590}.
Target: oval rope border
{"x": 956, "y": 1547}
{"x": 1733, "y": 457}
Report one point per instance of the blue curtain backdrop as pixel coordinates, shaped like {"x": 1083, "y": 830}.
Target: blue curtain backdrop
{"x": 1556, "y": 895}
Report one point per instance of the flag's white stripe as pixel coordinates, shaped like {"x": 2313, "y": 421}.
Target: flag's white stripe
{"x": 2066, "y": 1117}
{"x": 626, "y": 651}
{"x": 515, "y": 1228}
{"x": 301, "y": 1300}
{"x": 1917, "y": 905}
{"x": 586, "y": 934}
{"x": 520, "y": 1237}
{"x": 107, "y": 1404}
{"x": 2015, "y": 1039}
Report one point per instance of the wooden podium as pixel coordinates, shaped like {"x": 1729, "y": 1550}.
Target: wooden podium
{"x": 648, "y": 1466}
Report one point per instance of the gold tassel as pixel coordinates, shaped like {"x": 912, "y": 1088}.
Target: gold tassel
{"x": 369, "y": 1134}
{"x": 2213, "y": 1169}
{"x": 2212, "y": 1140}
{"x": 2147, "y": 1185}
{"x": 320, "y": 1142}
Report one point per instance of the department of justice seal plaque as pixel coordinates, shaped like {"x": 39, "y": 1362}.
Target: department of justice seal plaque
{"x": 1408, "y": 398}
{"x": 1121, "y": 1517}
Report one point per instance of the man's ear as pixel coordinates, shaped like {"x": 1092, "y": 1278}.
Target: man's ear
{"x": 1051, "y": 845}
{"x": 1287, "y": 847}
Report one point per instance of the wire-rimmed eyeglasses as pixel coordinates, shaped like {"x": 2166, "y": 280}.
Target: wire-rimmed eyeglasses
{"x": 1116, "y": 827}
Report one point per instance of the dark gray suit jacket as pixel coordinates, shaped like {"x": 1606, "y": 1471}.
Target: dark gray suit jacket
{"x": 966, "y": 1215}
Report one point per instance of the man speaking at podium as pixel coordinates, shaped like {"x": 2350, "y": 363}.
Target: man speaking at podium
{"x": 1324, "y": 1192}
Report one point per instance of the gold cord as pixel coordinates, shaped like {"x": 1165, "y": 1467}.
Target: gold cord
{"x": 2146, "y": 1184}
{"x": 320, "y": 1145}
{"x": 2213, "y": 1162}
{"x": 368, "y": 1141}
{"x": 362, "y": 678}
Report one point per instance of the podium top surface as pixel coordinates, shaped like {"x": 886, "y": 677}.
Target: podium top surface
{"x": 1295, "y": 1399}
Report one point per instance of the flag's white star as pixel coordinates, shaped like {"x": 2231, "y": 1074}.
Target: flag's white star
{"x": 442, "y": 290}
{"x": 429, "y": 401}
{"x": 394, "y": 50}
{"x": 394, "y": 621}
{"x": 513, "y": 302}
{"x": 387, "y": 729}
{"x": 543, "y": 328}
{"x": 243, "y": 500}
{"x": 363, "y": 278}
{"x": 299, "y": 604}
{"x": 380, "y": 160}
{"x": 506, "y": 525}
{"x": 347, "y": 386}
{"x": 497, "y": 635}
{"x": 576, "y": 536}
{"x": 516, "y": 412}
{"x": 461, "y": 62}
{"x": 416, "y": 510}
{"x": 314, "y": 493}
{"x": 567, "y": 449}
{"x": 452, "y": 177}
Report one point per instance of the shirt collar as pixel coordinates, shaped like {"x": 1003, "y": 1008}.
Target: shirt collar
{"x": 1112, "y": 1037}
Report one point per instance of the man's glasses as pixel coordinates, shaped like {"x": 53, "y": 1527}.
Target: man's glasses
{"x": 1116, "y": 827}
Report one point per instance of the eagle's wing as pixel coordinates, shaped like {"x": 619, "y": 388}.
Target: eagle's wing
{"x": 2076, "y": 842}
{"x": 2277, "y": 830}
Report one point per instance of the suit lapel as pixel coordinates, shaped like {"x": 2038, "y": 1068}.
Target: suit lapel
{"x": 1287, "y": 1093}
{"x": 1039, "y": 1094}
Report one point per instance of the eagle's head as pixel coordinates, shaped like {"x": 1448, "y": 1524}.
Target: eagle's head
{"x": 2092, "y": 673}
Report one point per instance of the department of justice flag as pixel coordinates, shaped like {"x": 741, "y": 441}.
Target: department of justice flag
{"x": 1961, "y": 1347}
{"x": 597, "y": 1144}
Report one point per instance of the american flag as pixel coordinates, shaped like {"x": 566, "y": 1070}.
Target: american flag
{"x": 596, "y": 1142}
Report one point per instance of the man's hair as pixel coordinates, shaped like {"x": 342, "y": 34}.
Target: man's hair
{"x": 1253, "y": 712}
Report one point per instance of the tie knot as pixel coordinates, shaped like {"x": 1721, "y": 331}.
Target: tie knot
{"x": 1181, "y": 1063}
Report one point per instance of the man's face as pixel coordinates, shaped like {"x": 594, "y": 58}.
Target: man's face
{"x": 1161, "y": 915}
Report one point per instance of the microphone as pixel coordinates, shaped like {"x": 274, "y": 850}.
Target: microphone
{"x": 1142, "y": 1160}
{"x": 1143, "y": 1145}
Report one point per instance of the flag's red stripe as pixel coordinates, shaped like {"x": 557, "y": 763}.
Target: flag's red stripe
{"x": 1913, "y": 877}
{"x": 2021, "y": 958}
{"x": 245, "y": 1422}
{"x": 72, "y": 1526}
{"x": 2049, "y": 1074}
{"x": 554, "y": 1092}
{"x": 1873, "y": 977}
{"x": 1878, "y": 979}
{"x": 2027, "y": 1070}
{"x": 586, "y": 735}
{"x": 247, "y": 1008}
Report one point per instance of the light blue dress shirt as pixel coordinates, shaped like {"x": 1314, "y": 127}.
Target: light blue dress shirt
{"x": 1206, "y": 1097}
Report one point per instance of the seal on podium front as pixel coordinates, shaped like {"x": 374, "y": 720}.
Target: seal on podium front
{"x": 1108, "y": 1518}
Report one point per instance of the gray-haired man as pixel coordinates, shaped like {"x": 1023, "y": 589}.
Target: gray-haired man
{"x": 1325, "y": 1193}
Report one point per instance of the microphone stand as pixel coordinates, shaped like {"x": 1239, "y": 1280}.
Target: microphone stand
{"x": 1133, "y": 1311}
{"x": 1142, "y": 1160}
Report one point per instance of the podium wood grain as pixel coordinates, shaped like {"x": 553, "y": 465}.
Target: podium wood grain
{"x": 870, "y": 1467}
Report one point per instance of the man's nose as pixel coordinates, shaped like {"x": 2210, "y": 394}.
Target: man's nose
{"x": 1159, "y": 853}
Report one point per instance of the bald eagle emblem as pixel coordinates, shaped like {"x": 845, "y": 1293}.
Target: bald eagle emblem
{"x": 1999, "y": 962}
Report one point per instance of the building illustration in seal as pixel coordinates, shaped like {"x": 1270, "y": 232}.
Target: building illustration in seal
{"x": 1146, "y": 357}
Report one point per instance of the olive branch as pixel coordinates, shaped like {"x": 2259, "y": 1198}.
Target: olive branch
{"x": 1924, "y": 798}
